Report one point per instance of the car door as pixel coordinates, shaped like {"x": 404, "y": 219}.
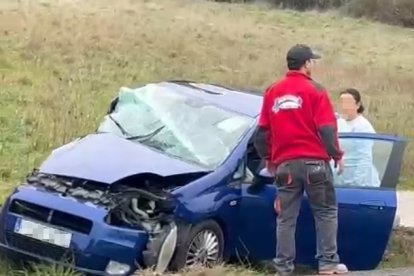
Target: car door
{"x": 257, "y": 216}
{"x": 366, "y": 210}
{"x": 257, "y": 234}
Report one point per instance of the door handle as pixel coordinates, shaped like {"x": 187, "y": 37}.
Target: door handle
{"x": 373, "y": 204}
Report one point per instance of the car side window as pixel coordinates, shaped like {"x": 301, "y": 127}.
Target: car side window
{"x": 366, "y": 160}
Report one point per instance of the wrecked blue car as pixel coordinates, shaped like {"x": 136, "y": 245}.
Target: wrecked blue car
{"x": 165, "y": 183}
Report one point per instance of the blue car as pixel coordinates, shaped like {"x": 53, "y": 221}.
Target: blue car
{"x": 165, "y": 182}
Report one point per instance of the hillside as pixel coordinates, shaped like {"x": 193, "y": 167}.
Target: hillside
{"x": 62, "y": 61}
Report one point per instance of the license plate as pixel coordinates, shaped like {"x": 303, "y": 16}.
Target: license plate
{"x": 42, "y": 232}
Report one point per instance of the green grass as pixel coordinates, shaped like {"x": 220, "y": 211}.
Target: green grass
{"x": 62, "y": 61}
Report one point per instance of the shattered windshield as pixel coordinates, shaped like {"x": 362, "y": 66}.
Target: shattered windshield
{"x": 176, "y": 124}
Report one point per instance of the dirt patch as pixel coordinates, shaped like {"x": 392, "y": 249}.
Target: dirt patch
{"x": 401, "y": 249}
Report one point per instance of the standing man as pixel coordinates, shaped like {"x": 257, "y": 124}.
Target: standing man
{"x": 297, "y": 136}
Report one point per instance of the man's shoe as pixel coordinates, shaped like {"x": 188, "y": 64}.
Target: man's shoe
{"x": 333, "y": 269}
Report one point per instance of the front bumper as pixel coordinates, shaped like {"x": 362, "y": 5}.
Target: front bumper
{"x": 20, "y": 254}
{"x": 91, "y": 252}
{"x": 164, "y": 246}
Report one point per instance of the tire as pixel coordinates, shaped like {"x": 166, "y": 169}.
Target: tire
{"x": 186, "y": 239}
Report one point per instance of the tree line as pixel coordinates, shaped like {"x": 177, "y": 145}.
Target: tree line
{"x": 395, "y": 12}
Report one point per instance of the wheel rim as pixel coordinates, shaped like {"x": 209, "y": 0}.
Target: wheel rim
{"x": 204, "y": 249}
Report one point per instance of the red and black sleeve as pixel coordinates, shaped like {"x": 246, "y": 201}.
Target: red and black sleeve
{"x": 261, "y": 139}
{"x": 326, "y": 124}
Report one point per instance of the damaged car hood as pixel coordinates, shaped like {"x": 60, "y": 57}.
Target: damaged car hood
{"x": 107, "y": 158}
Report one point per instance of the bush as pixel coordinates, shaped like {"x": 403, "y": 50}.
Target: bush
{"x": 397, "y": 12}
{"x": 302, "y": 5}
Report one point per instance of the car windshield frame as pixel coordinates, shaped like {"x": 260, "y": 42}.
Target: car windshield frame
{"x": 176, "y": 122}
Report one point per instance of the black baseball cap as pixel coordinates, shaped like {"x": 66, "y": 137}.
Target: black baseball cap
{"x": 299, "y": 54}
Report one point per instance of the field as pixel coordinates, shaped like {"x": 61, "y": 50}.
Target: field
{"x": 62, "y": 61}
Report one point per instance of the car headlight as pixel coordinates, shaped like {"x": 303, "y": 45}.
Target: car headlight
{"x": 115, "y": 268}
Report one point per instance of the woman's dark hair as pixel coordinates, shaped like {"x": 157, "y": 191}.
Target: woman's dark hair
{"x": 357, "y": 97}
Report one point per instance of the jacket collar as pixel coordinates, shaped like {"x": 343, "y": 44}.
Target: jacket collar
{"x": 297, "y": 74}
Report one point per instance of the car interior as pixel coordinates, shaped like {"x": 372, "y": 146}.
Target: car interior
{"x": 253, "y": 166}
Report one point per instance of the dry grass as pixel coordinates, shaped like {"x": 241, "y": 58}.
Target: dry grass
{"x": 401, "y": 249}
{"x": 62, "y": 61}
{"x": 216, "y": 271}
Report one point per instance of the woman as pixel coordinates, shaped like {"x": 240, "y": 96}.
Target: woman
{"x": 352, "y": 118}
{"x": 359, "y": 167}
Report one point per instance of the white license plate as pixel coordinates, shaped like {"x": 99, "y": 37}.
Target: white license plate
{"x": 42, "y": 232}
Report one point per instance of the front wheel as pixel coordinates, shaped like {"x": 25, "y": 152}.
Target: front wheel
{"x": 204, "y": 245}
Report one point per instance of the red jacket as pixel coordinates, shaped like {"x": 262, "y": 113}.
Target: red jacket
{"x": 300, "y": 121}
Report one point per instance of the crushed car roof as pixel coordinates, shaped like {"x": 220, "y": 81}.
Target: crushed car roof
{"x": 247, "y": 102}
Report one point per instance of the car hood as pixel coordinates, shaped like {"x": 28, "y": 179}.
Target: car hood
{"x": 107, "y": 158}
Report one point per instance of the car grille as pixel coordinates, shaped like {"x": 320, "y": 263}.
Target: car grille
{"x": 50, "y": 216}
{"x": 40, "y": 248}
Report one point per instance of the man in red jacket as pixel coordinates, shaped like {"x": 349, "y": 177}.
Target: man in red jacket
{"x": 297, "y": 136}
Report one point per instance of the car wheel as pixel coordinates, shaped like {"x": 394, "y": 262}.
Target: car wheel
{"x": 203, "y": 245}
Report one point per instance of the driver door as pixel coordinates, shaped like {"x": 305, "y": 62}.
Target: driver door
{"x": 257, "y": 217}
{"x": 366, "y": 208}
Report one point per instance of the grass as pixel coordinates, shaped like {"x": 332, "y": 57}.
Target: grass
{"x": 62, "y": 61}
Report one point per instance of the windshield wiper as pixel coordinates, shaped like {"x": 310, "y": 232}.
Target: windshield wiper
{"x": 142, "y": 138}
{"x": 137, "y": 137}
{"x": 124, "y": 132}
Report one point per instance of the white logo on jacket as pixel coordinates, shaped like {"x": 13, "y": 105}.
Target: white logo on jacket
{"x": 287, "y": 102}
